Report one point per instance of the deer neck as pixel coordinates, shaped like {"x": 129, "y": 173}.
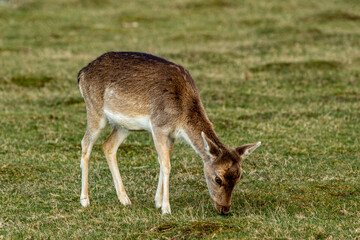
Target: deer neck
{"x": 192, "y": 134}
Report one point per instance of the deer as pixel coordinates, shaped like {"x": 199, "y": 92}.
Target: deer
{"x": 135, "y": 91}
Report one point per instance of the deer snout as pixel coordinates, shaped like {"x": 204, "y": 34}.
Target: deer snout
{"x": 222, "y": 209}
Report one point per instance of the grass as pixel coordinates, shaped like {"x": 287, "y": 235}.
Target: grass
{"x": 283, "y": 72}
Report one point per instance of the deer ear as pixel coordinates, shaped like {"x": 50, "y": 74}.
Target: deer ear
{"x": 247, "y": 149}
{"x": 212, "y": 150}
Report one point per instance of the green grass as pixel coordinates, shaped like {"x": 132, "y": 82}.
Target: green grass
{"x": 286, "y": 73}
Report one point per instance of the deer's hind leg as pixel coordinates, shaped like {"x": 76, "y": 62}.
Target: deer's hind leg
{"x": 95, "y": 124}
{"x": 110, "y": 147}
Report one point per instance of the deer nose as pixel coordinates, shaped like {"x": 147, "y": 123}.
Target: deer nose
{"x": 225, "y": 209}
{"x": 222, "y": 209}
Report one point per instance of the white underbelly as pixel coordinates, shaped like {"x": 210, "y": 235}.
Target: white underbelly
{"x": 129, "y": 122}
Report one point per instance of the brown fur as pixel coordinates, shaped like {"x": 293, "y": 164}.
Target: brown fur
{"x": 137, "y": 85}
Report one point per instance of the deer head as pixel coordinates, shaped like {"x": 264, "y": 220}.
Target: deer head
{"x": 222, "y": 168}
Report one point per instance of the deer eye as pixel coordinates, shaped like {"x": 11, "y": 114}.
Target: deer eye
{"x": 218, "y": 180}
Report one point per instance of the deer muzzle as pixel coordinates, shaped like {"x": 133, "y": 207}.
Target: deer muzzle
{"x": 222, "y": 209}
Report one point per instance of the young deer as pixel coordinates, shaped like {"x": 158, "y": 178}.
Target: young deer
{"x": 137, "y": 91}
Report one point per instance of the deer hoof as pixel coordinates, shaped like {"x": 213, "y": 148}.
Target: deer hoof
{"x": 166, "y": 209}
{"x": 125, "y": 200}
{"x": 85, "y": 202}
{"x": 158, "y": 202}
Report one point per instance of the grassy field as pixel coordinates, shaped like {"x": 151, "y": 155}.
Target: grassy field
{"x": 282, "y": 72}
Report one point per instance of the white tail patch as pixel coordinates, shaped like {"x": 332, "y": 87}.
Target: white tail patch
{"x": 81, "y": 91}
{"x": 81, "y": 76}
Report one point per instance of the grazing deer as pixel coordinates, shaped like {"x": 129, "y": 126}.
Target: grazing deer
{"x": 137, "y": 91}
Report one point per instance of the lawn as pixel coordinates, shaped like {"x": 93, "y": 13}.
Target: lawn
{"x": 286, "y": 73}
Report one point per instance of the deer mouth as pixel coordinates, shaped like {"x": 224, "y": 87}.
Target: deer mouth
{"x": 224, "y": 210}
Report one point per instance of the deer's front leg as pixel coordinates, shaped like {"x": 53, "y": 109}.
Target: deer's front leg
{"x": 162, "y": 148}
{"x": 159, "y": 190}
